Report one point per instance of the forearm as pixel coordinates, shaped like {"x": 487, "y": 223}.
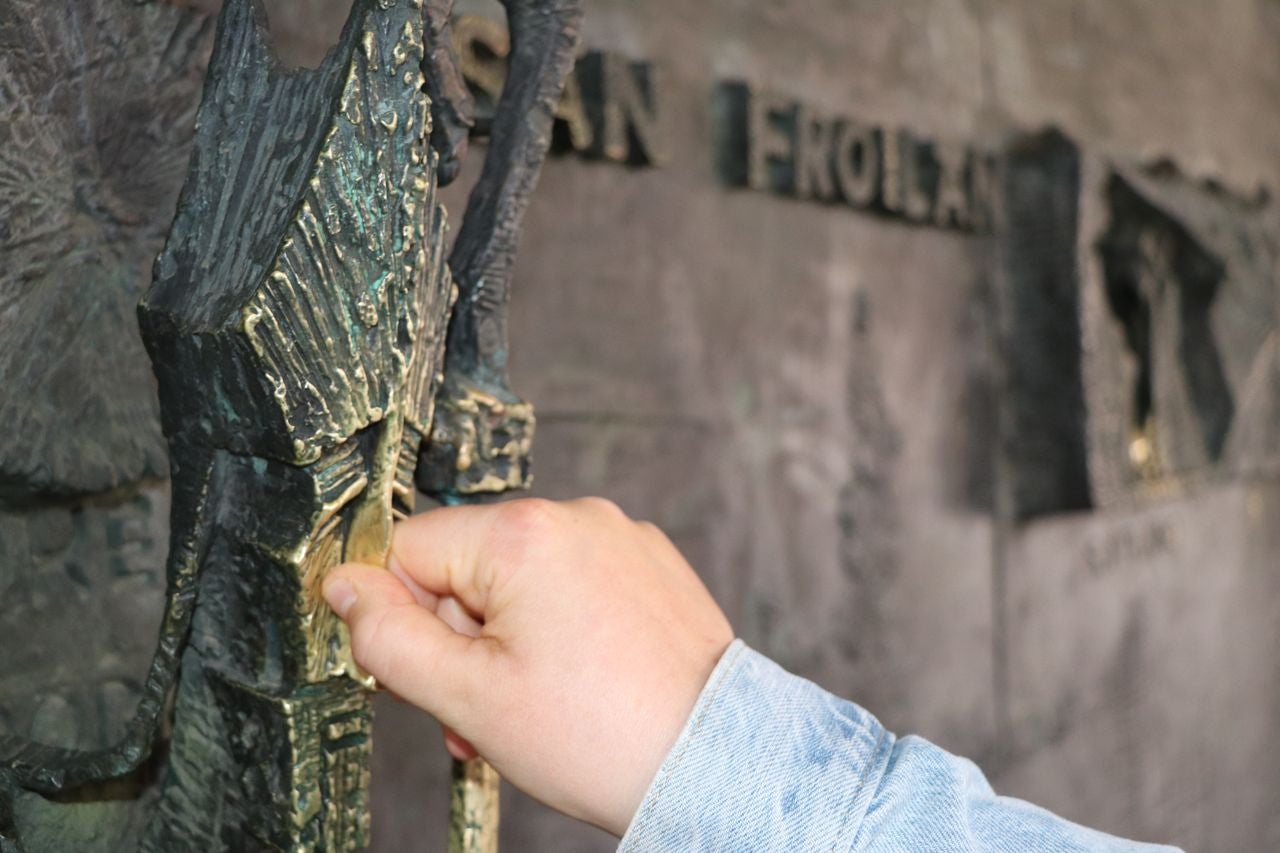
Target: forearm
{"x": 770, "y": 761}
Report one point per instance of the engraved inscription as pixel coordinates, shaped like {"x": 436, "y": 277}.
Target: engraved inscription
{"x": 778, "y": 144}
{"x": 610, "y": 108}
{"x": 1126, "y": 545}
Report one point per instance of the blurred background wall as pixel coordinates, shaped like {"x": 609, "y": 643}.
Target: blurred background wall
{"x": 1006, "y": 473}
{"x": 912, "y": 462}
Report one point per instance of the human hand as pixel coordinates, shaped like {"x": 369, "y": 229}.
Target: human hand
{"x": 591, "y": 640}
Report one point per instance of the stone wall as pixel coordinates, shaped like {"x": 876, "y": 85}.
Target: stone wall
{"x": 843, "y": 418}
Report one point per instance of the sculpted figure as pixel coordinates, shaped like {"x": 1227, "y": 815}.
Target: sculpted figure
{"x": 302, "y": 322}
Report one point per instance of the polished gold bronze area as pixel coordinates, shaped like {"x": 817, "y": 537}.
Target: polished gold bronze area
{"x": 473, "y": 807}
{"x": 479, "y": 444}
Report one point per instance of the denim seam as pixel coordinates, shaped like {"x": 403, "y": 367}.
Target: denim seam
{"x": 883, "y": 747}
{"x": 669, "y": 766}
{"x": 875, "y": 764}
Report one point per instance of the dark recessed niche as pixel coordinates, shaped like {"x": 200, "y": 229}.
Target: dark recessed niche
{"x": 1044, "y": 420}
{"x": 1162, "y": 283}
{"x": 1189, "y": 271}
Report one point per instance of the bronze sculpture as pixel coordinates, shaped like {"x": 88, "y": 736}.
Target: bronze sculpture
{"x": 301, "y": 322}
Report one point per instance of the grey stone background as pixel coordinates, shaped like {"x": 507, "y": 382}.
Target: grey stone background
{"x": 801, "y": 395}
{"x": 813, "y": 401}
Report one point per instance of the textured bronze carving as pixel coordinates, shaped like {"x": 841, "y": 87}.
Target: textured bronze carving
{"x": 296, "y": 325}
{"x": 484, "y": 430}
{"x": 481, "y": 438}
{"x": 97, "y": 100}
{"x": 473, "y": 808}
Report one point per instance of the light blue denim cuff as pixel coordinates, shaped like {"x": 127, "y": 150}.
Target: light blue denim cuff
{"x": 767, "y": 761}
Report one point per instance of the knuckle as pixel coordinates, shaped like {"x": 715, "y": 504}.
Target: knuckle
{"x": 604, "y": 506}
{"x": 651, "y": 529}
{"x": 526, "y": 520}
{"x": 522, "y": 531}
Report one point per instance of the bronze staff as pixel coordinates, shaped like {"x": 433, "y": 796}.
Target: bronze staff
{"x": 482, "y": 433}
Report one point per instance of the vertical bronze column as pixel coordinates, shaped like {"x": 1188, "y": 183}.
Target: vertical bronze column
{"x": 473, "y": 807}
{"x": 483, "y": 432}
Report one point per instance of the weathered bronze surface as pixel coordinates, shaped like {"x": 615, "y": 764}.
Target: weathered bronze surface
{"x": 473, "y": 807}
{"x": 482, "y": 433}
{"x": 297, "y": 325}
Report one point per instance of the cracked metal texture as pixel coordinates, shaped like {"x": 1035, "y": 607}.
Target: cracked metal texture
{"x": 296, "y": 326}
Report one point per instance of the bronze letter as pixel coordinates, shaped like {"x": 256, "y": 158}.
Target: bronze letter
{"x": 474, "y": 36}
{"x": 984, "y": 192}
{"x": 857, "y": 162}
{"x": 622, "y": 98}
{"x": 902, "y": 192}
{"x": 952, "y": 204}
{"x": 771, "y": 151}
{"x": 573, "y": 112}
{"x": 813, "y": 155}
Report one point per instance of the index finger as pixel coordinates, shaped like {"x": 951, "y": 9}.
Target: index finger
{"x": 443, "y": 551}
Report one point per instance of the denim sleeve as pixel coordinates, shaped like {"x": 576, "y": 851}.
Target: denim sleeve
{"x": 770, "y": 761}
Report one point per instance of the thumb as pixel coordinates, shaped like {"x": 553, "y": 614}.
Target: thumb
{"x": 407, "y": 647}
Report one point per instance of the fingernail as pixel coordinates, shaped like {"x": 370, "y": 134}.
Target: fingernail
{"x": 341, "y": 595}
